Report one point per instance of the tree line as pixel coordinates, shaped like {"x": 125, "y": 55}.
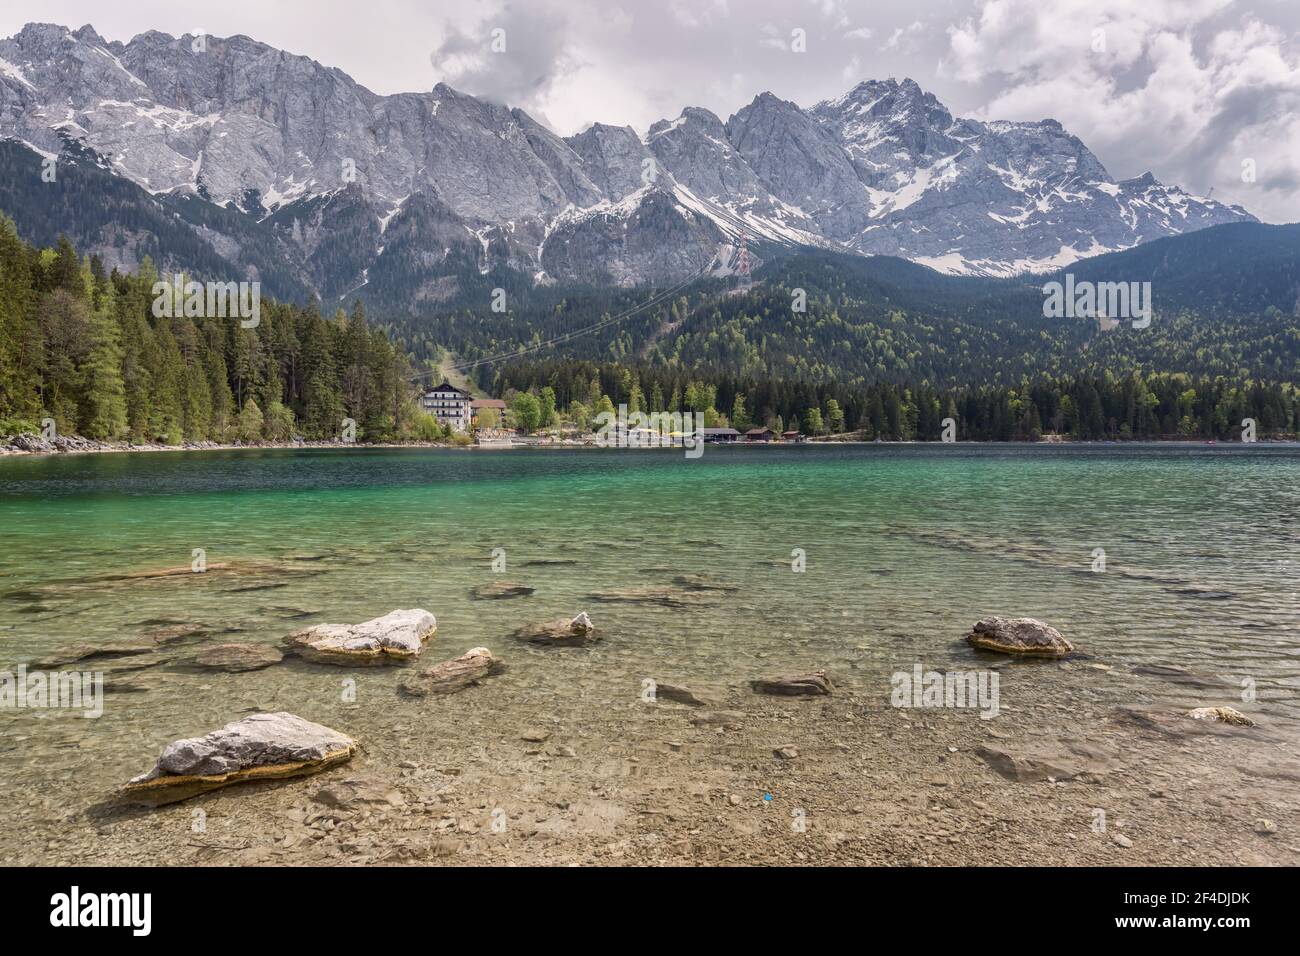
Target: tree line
{"x": 1132, "y": 405}
{"x": 83, "y": 347}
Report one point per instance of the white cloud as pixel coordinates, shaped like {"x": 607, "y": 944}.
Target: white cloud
{"x": 1183, "y": 87}
{"x": 905, "y": 38}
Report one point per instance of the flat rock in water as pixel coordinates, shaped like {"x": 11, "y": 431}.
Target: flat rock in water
{"x": 813, "y": 684}
{"x": 661, "y": 597}
{"x": 79, "y": 653}
{"x": 500, "y": 591}
{"x": 565, "y": 632}
{"x": 397, "y": 636}
{"x": 116, "y": 685}
{"x": 1174, "y": 724}
{"x": 1222, "y": 715}
{"x": 451, "y": 676}
{"x": 1018, "y": 635}
{"x": 237, "y": 658}
{"x": 1059, "y": 760}
{"x": 358, "y": 792}
{"x": 272, "y": 746}
{"x": 174, "y": 633}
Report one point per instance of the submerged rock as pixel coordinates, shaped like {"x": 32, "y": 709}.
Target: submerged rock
{"x": 237, "y": 658}
{"x": 500, "y": 591}
{"x": 1018, "y": 635}
{"x": 795, "y": 685}
{"x": 175, "y": 633}
{"x": 272, "y": 746}
{"x": 662, "y": 597}
{"x": 398, "y": 635}
{"x": 564, "y": 632}
{"x": 702, "y": 582}
{"x": 1222, "y": 715}
{"x": 355, "y": 792}
{"x": 682, "y": 695}
{"x": 1178, "y": 675}
{"x": 81, "y": 653}
{"x": 1175, "y": 724}
{"x": 1058, "y": 760}
{"x": 452, "y": 676}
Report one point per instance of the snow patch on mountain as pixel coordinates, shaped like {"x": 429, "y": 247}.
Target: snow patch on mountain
{"x": 882, "y": 169}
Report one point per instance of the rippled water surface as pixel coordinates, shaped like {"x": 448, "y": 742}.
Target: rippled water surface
{"x": 905, "y": 547}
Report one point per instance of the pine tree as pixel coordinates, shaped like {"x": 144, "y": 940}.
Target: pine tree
{"x": 103, "y": 412}
{"x": 250, "y": 422}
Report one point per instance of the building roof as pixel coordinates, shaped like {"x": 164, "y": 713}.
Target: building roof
{"x": 488, "y": 403}
{"x": 448, "y": 387}
{"x": 720, "y": 431}
{"x": 760, "y": 431}
{"x": 790, "y": 434}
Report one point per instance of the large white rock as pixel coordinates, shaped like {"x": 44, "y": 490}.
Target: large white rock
{"x": 268, "y": 746}
{"x": 398, "y": 635}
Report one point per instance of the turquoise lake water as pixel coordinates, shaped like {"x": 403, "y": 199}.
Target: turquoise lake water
{"x": 903, "y": 547}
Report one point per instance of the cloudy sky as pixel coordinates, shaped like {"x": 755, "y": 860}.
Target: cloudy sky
{"x": 1203, "y": 93}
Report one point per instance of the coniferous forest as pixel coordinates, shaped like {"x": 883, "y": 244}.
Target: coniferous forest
{"x": 82, "y": 347}
{"x": 1132, "y": 405}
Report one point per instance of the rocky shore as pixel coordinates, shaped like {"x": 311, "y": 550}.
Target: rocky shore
{"x": 30, "y": 444}
{"x": 768, "y": 765}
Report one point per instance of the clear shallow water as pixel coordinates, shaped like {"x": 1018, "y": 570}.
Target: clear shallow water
{"x": 906, "y": 546}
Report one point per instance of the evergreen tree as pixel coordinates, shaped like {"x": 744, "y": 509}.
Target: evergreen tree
{"x": 250, "y": 422}
{"x": 103, "y": 413}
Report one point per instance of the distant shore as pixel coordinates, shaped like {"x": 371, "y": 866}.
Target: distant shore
{"x": 85, "y": 446}
{"x": 76, "y": 445}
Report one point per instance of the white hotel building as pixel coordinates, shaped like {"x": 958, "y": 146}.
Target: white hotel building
{"x": 448, "y": 404}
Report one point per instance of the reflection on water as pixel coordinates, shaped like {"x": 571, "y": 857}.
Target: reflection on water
{"x": 905, "y": 547}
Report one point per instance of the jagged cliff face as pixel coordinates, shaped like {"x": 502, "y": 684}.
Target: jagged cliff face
{"x": 349, "y": 185}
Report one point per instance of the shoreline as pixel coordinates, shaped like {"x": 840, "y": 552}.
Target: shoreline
{"x": 81, "y": 446}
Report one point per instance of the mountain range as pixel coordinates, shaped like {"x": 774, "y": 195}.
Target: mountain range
{"x": 228, "y": 158}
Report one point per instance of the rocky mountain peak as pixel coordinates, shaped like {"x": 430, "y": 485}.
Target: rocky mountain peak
{"x": 270, "y": 135}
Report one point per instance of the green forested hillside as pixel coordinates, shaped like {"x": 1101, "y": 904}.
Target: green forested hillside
{"x": 83, "y": 347}
{"x": 886, "y": 320}
{"x": 880, "y": 345}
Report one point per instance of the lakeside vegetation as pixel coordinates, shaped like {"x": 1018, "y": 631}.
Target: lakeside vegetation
{"x": 1088, "y": 408}
{"x": 82, "y": 346}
